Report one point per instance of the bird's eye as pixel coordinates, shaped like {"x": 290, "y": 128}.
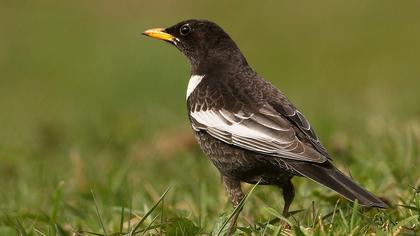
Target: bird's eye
{"x": 184, "y": 30}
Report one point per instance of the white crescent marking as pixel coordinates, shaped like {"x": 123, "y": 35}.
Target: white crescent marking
{"x": 193, "y": 83}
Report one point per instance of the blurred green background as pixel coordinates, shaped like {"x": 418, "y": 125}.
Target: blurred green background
{"x": 86, "y": 102}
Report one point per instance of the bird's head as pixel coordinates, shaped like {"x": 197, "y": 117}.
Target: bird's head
{"x": 203, "y": 42}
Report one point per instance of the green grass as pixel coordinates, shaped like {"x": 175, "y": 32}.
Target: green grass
{"x": 131, "y": 197}
{"x": 94, "y": 136}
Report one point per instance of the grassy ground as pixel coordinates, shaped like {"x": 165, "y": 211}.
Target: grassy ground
{"x": 94, "y": 136}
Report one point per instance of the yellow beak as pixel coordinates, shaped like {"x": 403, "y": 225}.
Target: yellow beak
{"x": 158, "y": 33}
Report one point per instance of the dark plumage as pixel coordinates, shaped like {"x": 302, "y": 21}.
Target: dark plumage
{"x": 249, "y": 130}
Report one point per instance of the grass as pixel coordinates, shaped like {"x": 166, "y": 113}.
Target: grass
{"x": 194, "y": 204}
{"x": 94, "y": 136}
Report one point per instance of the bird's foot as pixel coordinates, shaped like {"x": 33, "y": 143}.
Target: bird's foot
{"x": 285, "y": 225}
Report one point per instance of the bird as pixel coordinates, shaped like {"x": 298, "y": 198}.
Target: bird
{"x": 246, "y": 126}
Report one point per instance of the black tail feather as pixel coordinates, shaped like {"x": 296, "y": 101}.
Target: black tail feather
{"x": 329, "y": 176}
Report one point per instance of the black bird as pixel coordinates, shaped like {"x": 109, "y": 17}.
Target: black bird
{"x": 246, "y": 126}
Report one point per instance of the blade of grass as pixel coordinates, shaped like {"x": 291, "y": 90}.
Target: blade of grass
{"x": 98, "y": 214}
{"x": 278, "y": 216}
{"x": 237, "y": 209}
{"x": 333, "y": 213}
{"x": 92, "y": 233}
{"x": 39, "y": 232}
{"x": 314, "y": 214}
{"x": 149, "y": 226}
{"x": 20, "y": 228}
{"x": 148, "y": 213}
{"x": 57, "y": 230}
{"x": 406, "y": 221}
{"x": 161, "y": 214}
{"x": 130, "y": 214}
{"x": 343, "y": 218}
{"x": 56, "y": 202}
{"x": 278, "y": 230}
{"x": 414, "y": 208}
{"x": 353, "y": 215}
{"x": 298, "y": 231}
{"x": 122, "y": 219}
{"x": 264, "y": 231}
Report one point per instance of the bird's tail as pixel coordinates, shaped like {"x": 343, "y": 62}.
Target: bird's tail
{"x": 329, "y": 176}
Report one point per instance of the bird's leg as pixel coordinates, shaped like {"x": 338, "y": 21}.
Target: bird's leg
{"x": 288, "y": 196}
{"x": 233, "y": 187}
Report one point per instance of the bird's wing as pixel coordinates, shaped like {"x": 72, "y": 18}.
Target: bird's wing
{"x": 283, "y": 106}
{"x": 263, "y": 131}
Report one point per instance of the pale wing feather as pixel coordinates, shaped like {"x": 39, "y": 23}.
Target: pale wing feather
{"x": 263, "y": 132}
